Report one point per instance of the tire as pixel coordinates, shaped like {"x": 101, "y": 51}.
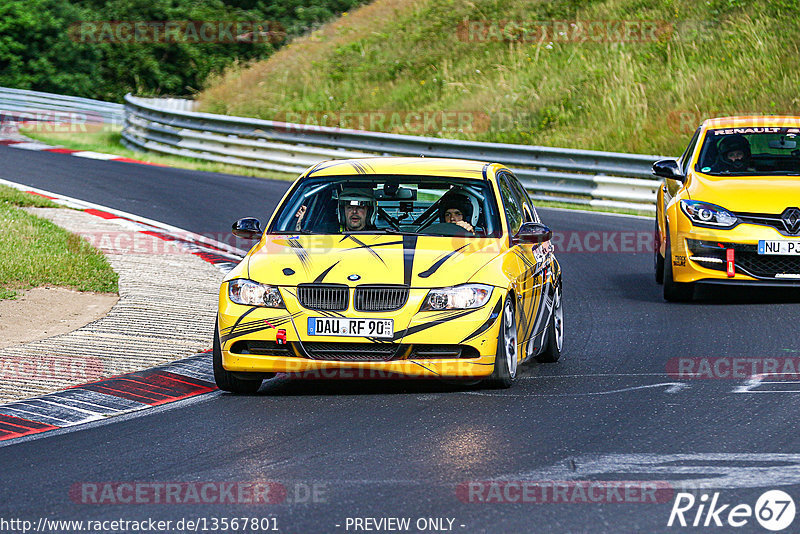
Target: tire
{"x": 658, "y": 259}
{"x": 674, "y": 291}
{"x": 505, "y": 362}
{"x": 555, "y": 331}
{"x": 225, "y": 380}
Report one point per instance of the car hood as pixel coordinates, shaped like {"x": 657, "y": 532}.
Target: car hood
{"x": 416, "y": 261}
{"x": 749, "y": 194}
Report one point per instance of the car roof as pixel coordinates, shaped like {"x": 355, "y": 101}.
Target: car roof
{"x": 752, "y": 121}
{"x": 419, "y": 166}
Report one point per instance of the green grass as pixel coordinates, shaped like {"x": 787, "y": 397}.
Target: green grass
{"x": 110, "y": 142}
{"x": 716, "y": 58}
{"x": 36, "y": 252}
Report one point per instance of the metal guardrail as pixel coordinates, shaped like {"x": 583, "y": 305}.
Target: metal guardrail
{"x": 605, "y": 179}
{"x": 23, "y": 105}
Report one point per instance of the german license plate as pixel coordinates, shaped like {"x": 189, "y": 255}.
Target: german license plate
{"x": 784, "y": 247}
{"x": 338, "y": 326}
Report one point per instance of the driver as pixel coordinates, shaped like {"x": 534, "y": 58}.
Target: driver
{"x": 733, "y": 154}
{"x": 357, "y": 209}
{"x": 456, "y": 208}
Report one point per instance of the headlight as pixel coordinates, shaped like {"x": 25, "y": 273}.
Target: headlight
{"x": 252, "y": 293}
{"x": 704, "y": 213}
{"x": 457, "y": 298}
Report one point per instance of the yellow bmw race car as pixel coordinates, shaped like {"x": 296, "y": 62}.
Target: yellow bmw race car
{"x": 407, "y": 267}
{"x": 728, "y": 211}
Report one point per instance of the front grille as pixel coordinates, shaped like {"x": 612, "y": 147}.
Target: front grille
{"x": 380, "y": 298}
{"x": 262, "y": 348}
{"x": 747, "y": 260}
{"x": 353, "y": 352}
{"x": 766, "y": 219}
{"x": 763, "y": 266}
{"x": 434, "y": 352}
{"x": 328, "y": 297}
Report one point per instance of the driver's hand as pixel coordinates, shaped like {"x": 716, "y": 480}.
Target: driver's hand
{"x": 299, "y": 215}
{"x": 466, "y": 226}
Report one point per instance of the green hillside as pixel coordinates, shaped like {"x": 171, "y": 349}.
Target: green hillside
{"x": 620, "y": 75}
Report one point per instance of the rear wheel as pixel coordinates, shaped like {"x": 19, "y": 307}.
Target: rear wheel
{"x": 658, "y": 258}
{"x": 225, "y": 380}
{"x": 674, "y": 291}
{"x": 555, "y": 331}
{"x": 505, "y": 362}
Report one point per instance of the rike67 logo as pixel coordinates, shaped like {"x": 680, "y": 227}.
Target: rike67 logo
{"x": 774, "y": 510}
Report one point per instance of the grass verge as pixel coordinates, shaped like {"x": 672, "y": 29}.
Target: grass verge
{"x": 110, "y": 142}
{"x": 36, "y": 252}
{"x": 545, "y": 83}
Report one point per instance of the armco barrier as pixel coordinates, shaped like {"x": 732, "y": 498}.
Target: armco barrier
{"x": 35, "y": 105}
{"x": 605, "y": 179}
{"x": 170, "y": 126}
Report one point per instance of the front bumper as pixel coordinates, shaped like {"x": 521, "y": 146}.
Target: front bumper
{"x": 463, "y": 341}
{"x": 701, "y": 255}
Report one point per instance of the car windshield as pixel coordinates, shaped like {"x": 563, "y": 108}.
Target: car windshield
{"x": 750, "y": 151}
{"x": 423, "y": 205}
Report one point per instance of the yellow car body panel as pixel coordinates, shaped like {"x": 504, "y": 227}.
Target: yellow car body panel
{"x": 418, "y": 262}
{"x": 742, "y": 195}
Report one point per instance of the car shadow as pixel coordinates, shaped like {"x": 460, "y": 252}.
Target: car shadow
{"x": 285, "y": 385}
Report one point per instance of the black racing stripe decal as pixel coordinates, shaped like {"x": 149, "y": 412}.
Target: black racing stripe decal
{"x": 430, "y": 324}
{"x": 322, "y": 167}
{"x": 426, "y": 368}
{"x": 259, "y": 325}
{"x": 358, "y": 167}
{"x": 369, "y": 248}
{"x": 433, "y": 268}
{"x": 319, "y": 279}
{"x": 301, "y": 253}
{"x": 409, "y": 248}
{"x": 488, "y": 323}
{"x": 239, "y": 320}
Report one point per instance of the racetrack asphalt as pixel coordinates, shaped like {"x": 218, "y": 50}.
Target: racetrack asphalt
{"x": 607, "y": 411}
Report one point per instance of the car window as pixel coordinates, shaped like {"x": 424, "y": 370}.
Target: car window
{"x": 422, "y": 205}
{"x": 687, "y": 154}
{"x": 762, "y": 151}
{"x": 511, "y": 203}
{"x": 528, "y": 211}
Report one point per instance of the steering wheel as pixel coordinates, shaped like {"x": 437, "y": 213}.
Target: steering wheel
{"x": 448, "y": 229}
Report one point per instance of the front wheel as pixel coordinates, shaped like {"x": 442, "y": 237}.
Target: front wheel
{"x": 505, "y": 362}
{"x": 555, "y": 331}
{"x": 225, "y": 380}
{"x": 658, "y": 259}
{"x": 674, "y": 291}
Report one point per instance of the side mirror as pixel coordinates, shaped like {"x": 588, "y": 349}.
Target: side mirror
{"x": 668, "y": 168}
{"x": 247, "y": 228}
{"x": 531, "y": 232}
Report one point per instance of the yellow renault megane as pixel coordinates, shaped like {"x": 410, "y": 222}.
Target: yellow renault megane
{"x": 728, "y": 211}
{"x": 414, "y": 267}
